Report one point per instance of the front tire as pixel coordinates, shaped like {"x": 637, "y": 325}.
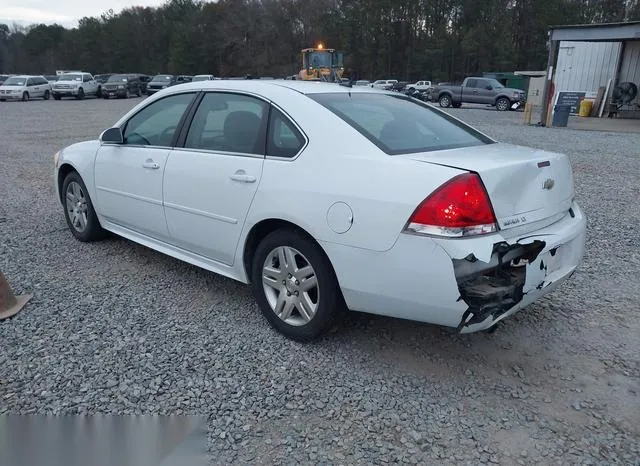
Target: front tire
{"x": 78, "y": 210}
{"x": 47, "y": 94}
{"x": 80, "y": 94}
{"x": 445, "y": 101}
{"x": 295, "y": 285}
{"x": 503, "y": 104}
{"x": 25, "y": 96}
{"x": 56, "y": 97}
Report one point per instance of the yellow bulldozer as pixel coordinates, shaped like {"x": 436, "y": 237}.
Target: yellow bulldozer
{"x": 320, "y": 64}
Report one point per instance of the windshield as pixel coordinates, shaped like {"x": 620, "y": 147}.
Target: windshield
{"x": 201, "y": 78}
{"x": 70, "y": 77}
{"x": 319, "y": 59}
{"x": 162, "y": 77}
{"x": 399, "y": 124}
{"x": 117, "y": 78}
{"x": 495, "y": 84}
{"x": 15, "y": 81}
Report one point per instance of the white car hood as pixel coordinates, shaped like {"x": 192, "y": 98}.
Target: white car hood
{"x": 11, "y": 88}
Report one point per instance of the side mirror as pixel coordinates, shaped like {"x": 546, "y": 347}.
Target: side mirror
{"x": 112, "y": 136}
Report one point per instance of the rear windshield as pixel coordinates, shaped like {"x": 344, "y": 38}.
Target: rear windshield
{"x": 162, "y": 77}
{"x": 398, "y": 124}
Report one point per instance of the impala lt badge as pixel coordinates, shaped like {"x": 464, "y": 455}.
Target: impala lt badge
{"x": 548, "y": 183}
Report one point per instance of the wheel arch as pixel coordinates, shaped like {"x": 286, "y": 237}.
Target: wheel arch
{"x": 501, "y": 96}
{"x": 264, "y": 227}
{"x": 63, "y": 172}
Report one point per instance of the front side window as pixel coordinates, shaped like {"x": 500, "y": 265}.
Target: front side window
{"x": 398, "y": 124}
{"x": 156, "y": 124}
{"x": 228, "y": 122}
{"x": 30, "y": 82}
{"x": 86, "y": 78}
{"x": 284, "y": 139}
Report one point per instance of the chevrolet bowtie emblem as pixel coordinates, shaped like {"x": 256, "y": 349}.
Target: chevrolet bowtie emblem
{"x": 548, "y": 183}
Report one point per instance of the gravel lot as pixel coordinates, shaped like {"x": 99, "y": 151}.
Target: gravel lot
{"x": 117, "y": 328}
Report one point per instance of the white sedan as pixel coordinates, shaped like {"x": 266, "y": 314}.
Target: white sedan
{"x": 325, "y": 198}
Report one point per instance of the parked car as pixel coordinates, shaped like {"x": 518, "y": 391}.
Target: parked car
{"x": 384, "y": 83}
{"x": 25, "y": 88}
{"x": 144, "y": 82}
{"x": 420, "y": 85}
{"x": 102, "y": 78}
{"x": 161, "y": 81}
{"x": 51, "y": 79}
{"x": 183, "y": 78}
{"x": 78, "y": 85}
{"x": 362, "y": 82}
{"x": 122, "y": 86}
{"x": 468, "y": 230}
{"x": 203, "y": 77}
{"x": 479, "y": 91}
{"x": 3, "y": 78}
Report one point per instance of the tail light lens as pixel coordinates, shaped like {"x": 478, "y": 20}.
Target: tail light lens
{"x": 459, "y": 208}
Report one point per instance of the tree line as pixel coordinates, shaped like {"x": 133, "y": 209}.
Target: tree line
{"x": 402, "y": 39}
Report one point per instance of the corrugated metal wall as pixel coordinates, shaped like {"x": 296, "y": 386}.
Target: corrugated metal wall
{"x": 585, "y": 66}
{"x": 630, "y": 66}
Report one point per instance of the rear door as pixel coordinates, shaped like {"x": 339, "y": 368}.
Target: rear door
{"x": 470, "y": 91}
{"x": 210, "y": 182}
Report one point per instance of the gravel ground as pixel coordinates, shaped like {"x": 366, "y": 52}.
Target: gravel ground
{"x": 117, "y": 328}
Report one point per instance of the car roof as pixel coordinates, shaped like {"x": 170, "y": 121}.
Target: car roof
{"x": 303, "y": 87}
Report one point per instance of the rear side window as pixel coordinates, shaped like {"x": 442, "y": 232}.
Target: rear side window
{"x": 398, "y": 124}
{"x": 472, "y": 83}
{"x": 284, "y": 139}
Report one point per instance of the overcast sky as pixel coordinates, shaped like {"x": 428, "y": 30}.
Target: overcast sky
{"x": 65, "y": 12}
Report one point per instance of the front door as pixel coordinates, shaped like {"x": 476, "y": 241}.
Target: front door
{"x": 128, "y": 176}
{"x": 487, "y": 96}
{"x": 209, "y": 184}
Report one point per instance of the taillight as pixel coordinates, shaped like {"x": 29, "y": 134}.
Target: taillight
{"x": 459, "y": 208}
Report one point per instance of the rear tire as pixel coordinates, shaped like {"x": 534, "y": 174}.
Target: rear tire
{"x": 445, "y": 101}
{"x": 47, "y": 94}
{"x": 295, "y": 285}
{"x": 503, "y": 104}
{"x": 78, "y": 210}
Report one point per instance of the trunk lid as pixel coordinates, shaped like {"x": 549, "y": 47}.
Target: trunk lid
{"x": 526, "y": 186}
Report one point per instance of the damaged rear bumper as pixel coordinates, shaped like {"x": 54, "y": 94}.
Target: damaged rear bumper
{"x": 469, "y": 284}
{"x": 518, "y": 272}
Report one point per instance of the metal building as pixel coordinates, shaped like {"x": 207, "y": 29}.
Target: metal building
{"x": 584, "y": 58}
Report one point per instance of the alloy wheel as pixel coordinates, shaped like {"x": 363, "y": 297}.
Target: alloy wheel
{"x": 290, "y": 285}
{"x": 76, "y": 206}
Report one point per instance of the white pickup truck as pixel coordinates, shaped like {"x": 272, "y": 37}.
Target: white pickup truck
{"x": 76, "y": 84}
{"x": 419, "y": 86}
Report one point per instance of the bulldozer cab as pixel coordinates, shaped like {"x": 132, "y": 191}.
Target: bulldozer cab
{"x": 321, "y": 64}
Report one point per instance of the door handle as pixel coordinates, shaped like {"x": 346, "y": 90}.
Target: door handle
{"x": 241, "y": 176}
{"x": 151, "y": 164}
